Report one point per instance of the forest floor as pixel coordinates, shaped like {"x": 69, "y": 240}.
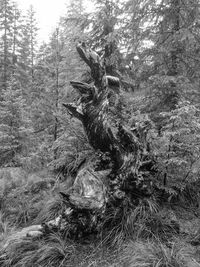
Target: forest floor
{"x": 29, "y": 199}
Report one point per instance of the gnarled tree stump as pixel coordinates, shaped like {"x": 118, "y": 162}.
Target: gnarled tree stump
{"x": 105, "y": 128}
{"x": 99, "y": 109}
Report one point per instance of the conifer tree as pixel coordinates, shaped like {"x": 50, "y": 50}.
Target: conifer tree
{"x": 45, "y": 98}
{"x": 63, "y": 61}
{"x": 14, "y": 124}
{"x": 16, "y": 35}
{"x": 54, "y": 81}
{"x": 6, "y": 32}
{"x": 72, "y": 30}
{"x": 173, "y": 81}
{"x": 104, "y": 33}
{"x": 29, "y": 45}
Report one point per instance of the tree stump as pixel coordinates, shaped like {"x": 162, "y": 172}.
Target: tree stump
{"x": 99, "y": 109}
{"x": 97, "y": 187}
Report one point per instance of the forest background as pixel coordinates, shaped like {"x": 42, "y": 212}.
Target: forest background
{"x": 156, "y": 57}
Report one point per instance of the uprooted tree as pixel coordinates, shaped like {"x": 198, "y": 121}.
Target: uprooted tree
{"x": 123, "y": 169}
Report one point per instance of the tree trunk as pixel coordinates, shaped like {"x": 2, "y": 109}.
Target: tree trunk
{"x": 131, "y": 166}
{"x": 56, "y": 91}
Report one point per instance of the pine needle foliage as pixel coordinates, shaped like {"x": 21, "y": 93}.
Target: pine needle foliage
{"x": 176, "y": 148}
{"x": 14, "y": 124}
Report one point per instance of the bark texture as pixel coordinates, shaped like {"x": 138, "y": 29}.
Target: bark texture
{"x": 99, "y": 109}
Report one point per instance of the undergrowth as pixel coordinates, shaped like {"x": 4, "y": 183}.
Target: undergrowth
{"x": 55, "y": 251}
{"x": 146, "y": 233}
{"x": 151, "y": 254}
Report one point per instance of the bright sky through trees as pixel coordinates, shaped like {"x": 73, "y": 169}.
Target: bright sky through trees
{"x": 47, "y": 13}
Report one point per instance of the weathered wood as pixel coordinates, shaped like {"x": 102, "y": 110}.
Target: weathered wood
{"x": 92, "y": 59}
{"x": 74, "y": 111}
{"x": 88, "y": 191}
{"x": 107, "y": 132}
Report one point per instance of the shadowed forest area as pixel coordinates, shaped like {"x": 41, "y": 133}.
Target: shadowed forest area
{"x": 115, "y": 91}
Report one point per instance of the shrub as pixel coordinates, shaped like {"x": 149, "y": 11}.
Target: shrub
{"x": 176, "y": 149}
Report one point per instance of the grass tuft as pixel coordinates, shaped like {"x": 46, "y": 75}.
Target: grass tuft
{"x": 54, "y": 251}
{"x": 127, "y": 221}
{"x": 151, "y": 254}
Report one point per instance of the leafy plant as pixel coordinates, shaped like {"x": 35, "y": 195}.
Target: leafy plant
{"x": 177, "y": 149}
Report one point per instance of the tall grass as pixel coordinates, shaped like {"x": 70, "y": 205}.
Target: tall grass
{"x": 144, "y": 227}
{"x": 54, "y": 251}
{"x": 127, "y": 221}
{"x": 151, "y": 254}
